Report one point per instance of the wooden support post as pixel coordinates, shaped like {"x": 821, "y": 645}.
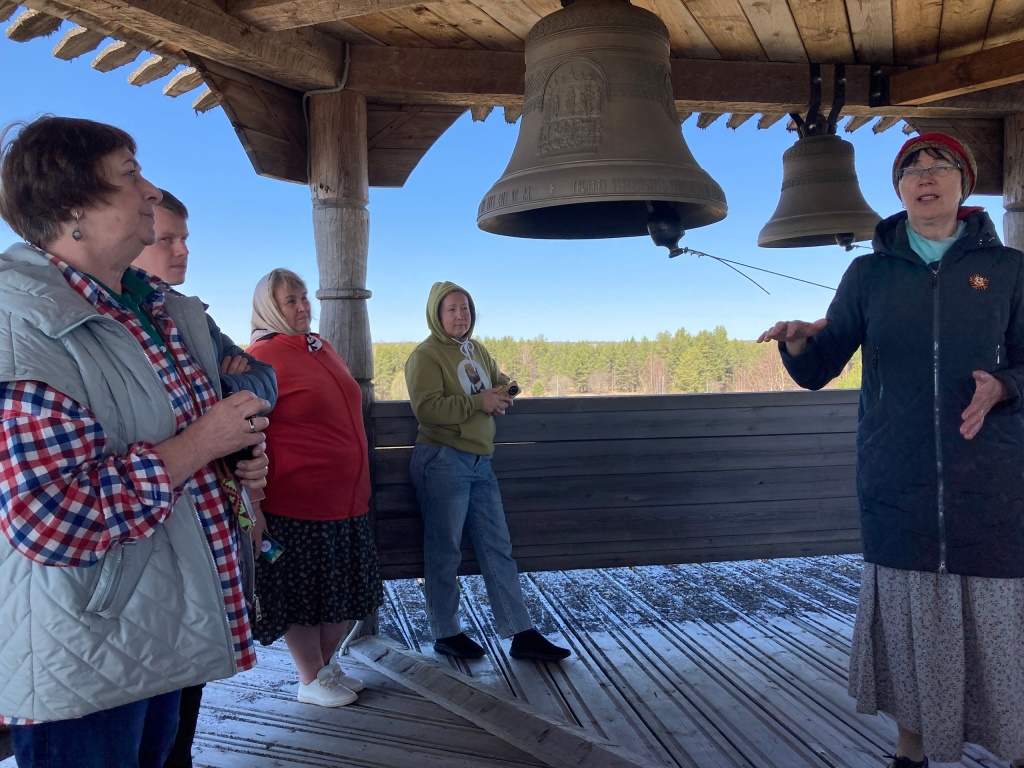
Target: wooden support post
{"x": 338, "y": 180}
{"x": 1013, "y": 181}
{"x": 339, "y": 183}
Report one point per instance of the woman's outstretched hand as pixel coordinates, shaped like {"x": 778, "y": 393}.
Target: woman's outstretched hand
{"x": 794, "y": 333}
{"x": 988, "y": 390}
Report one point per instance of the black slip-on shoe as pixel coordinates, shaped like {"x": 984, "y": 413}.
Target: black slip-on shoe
{"x": 461, "y": 646}
{"x": 531, "y": 644}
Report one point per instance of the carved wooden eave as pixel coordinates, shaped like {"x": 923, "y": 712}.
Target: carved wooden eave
{"x": 951, "y": 64}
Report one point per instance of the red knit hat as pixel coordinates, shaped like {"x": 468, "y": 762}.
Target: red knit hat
{"x": 969, "y": 168}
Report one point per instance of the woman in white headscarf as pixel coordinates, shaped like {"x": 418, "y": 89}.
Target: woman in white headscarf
{"x": 317, "y": 495}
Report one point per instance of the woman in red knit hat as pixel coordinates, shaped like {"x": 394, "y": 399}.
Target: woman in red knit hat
{"x": 938, "y": 313}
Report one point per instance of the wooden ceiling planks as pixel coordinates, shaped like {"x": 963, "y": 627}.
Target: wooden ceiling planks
{"x": 979, "y": 71}
{"x": 1005, "y": 24}
{"x": 347, "y": 33}
{"x": 686, "y": 38}
{"x": 825, "y": 30}
{"x": 399, "y": 137}
{"x": 477, "y": 25}
{"x": 390, "y": 31}
{"x": 871, "y": 29}
{"x": 964, "y": 23}
{"x": 267, "y": 119}
{"x": 518, "y": 18}
{"x": 276, "y": 15}
{"x": 726, "y": 26}
{"x": 775, "y": 28}
{"x": 433, "y": 28}
{"x": 915, "y": 31}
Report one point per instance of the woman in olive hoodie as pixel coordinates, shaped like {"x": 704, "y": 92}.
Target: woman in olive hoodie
{"x": 938, "y": 312}
{"x": 456, "y": 390}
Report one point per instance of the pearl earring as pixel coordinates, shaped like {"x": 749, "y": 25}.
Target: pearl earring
{"x": 76, "y": 232}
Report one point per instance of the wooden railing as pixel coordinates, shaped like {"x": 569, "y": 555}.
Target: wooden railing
{"x": 591, "y": 482}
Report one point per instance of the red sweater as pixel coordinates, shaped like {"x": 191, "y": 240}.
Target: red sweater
{"x": 319, "y": 463}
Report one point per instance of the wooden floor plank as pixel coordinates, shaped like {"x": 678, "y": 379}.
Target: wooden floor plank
{"x": 723, "y": 665}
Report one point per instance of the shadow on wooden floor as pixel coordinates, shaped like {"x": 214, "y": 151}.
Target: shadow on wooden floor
{"x": 730, "y": 664}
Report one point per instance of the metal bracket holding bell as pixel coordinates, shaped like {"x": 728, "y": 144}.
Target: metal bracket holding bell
{"x": 817, "y": 124}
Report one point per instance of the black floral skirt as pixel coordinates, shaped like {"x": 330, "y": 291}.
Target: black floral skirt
{"x": 328, "y": 573}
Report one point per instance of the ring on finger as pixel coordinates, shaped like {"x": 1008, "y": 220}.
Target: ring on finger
{"x": 252, "y": 425}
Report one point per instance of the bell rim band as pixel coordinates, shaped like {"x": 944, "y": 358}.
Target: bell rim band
{"x": 252, "y": 424}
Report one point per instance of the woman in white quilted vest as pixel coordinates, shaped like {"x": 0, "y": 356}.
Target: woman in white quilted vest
{"x": 120, "y": 522}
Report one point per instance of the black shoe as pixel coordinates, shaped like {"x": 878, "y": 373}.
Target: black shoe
{"x": 906, "y": 762}
{"x": 531, "y": 644}
{"x": 460, "y": 646}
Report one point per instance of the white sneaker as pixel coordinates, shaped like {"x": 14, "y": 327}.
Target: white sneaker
{"x": 326, "y": 691}
{"x": 352, "y": 683}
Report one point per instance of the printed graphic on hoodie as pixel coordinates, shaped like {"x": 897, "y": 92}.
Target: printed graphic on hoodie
{"x": 473, "y": 378}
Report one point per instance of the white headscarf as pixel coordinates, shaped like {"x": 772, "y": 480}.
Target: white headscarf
{"x": 266, "y": 317}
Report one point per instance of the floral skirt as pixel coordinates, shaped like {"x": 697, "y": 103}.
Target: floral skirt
{"x": 944, "y": 656}
{"x": 327, "y": 574}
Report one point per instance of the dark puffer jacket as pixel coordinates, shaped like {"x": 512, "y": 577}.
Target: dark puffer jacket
{"x": 931, "y": 500}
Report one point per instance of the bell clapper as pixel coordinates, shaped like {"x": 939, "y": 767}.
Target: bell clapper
{"x": 665, "y": 226}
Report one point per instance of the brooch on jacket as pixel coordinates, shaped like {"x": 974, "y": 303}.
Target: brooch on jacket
{"x": 978, "y": 282}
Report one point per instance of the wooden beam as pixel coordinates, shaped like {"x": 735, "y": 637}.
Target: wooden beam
{"x": 152, "y": 69}
{"x": 857, "y": 122}
{"x": 767, "y": 121}
{"x": 187, "y": 80}
{"x": 547, "y": 738}
{"x": 7, "y": 9}
{"x": 736, "y": 119}
{"x": 274, "y": 15}
{"x": 704, "y": 119}
{"x": 32, "y": 24}
{"x": 480, "y": 113}
{"x": 267, "y": 119}
{"x": 298, "y": 59}
{"x": 482, "y": 78}
{"x": 954, "y": 77}
{"x": 76, "y": 41}
{"x": 206, "y": 101}
{"x": 115, "y": 55}
{"x": 884, "y": 124}
{"x": 513, "y": 113}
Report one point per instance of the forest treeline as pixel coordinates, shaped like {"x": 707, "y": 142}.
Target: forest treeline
{"x": 670, "y": 363}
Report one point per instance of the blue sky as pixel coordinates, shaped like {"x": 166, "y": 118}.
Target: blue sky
{"x": 243, "y": 225}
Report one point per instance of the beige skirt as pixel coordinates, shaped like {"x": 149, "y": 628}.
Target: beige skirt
{"x": 944, "y": 656}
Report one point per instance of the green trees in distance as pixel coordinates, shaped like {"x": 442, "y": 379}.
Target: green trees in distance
{"x": 670, "y": 363}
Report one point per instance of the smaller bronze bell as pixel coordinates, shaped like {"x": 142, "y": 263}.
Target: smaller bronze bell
{"x": 821, "y": 203}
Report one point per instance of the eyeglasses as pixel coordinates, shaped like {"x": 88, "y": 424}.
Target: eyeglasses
{"x": 937, "y": 171}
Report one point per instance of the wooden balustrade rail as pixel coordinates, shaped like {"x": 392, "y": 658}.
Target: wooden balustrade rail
{"x": 591, "y": 482}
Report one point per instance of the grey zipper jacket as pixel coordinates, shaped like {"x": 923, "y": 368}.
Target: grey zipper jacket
{"x": 929, "y": 499}
{"x": 149, "y": 617}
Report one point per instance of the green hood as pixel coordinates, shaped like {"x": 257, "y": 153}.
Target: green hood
{"x": 437, "y": 294}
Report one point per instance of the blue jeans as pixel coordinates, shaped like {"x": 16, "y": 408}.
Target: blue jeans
{"x": 458, "y": 491}
{"x": 136, "y": 735}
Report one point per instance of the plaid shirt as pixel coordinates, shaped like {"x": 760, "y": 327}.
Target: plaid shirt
{"x": 63, "y": 501}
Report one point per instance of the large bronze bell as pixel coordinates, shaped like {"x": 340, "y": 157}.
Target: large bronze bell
{"x": 821, "y": 203}
{"x": 600, "y": 152}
